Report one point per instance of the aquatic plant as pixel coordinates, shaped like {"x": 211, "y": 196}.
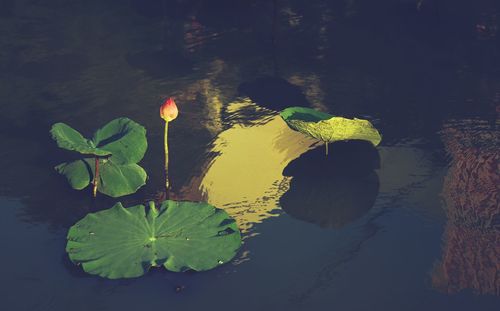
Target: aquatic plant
{"x": 126, "y": 242}
{"x": 328, "y": 128}
{"x": 168, "y": 112}
{"x": 112, "y": 156}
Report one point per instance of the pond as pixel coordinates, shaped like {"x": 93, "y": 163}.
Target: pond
{"x": 413, "y": 224}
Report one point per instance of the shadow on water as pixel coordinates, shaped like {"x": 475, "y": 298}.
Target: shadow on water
{"x": 160, "y": 9}
{"x": 223, "y": 14}
{"x": 169, "y": 57}
{"x": 75, "y": 271}
{"x": 333, "y": 190}
{"x": 6, "y": 8}
{"x": 160, "y": 63}
{"x": 55, "y": 68}
{"x": 273, "y": 93}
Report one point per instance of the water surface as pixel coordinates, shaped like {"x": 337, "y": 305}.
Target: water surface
{"x": 411, "y": 225}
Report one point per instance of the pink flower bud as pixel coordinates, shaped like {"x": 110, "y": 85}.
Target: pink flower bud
{"x": 168, "y": 111}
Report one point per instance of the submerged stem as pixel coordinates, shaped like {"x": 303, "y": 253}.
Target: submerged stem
{"x": 96, "y": 177}
{"x": 167, "y": 185}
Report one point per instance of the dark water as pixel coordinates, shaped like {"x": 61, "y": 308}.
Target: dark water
{"x": 411, "y": 225}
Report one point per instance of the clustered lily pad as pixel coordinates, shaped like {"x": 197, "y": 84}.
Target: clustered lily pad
{"x": 126, "y": 242}
{"x": 179, "y": 235}
{"x": 328, "y": 128}
{"x": 115, "y": 148}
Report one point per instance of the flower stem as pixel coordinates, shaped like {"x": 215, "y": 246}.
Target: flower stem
{"x": 167, "y": 185}
{"x": 96, "y": 177}
{"x": 326, "y": 150}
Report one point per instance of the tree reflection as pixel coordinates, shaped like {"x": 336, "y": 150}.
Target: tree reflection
{"x": 471, "y": 250}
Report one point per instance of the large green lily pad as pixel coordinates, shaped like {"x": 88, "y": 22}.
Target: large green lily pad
{"x": 328, "y": 128}
{"x": 119, "y": 145}
{"x": 125, "y": 242}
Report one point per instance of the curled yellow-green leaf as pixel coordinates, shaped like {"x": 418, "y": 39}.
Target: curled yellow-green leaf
{"x": 328, "y": 128}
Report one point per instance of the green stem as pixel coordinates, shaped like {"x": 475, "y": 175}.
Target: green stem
{"x": 96, "y": 177}
{"x": 326, "y": 150}
{"x": 167, "y": 185}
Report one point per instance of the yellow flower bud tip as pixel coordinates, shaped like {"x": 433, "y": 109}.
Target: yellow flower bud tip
{"x": 168, "y": 110}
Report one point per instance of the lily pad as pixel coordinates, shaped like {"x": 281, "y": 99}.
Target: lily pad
{"x": 70, "y": 139}
{"x": 119, "y": 145}
{"x": 78, "y": 173}
{"x": 126, "y": 242}
{"x": 328, "y": 128}
{"x": 115, "y": 180}
{"x": 122, "y": 138}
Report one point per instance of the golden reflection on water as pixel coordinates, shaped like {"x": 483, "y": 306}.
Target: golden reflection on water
{"x": 245, "y": 175}
{"x": 471, "y": 250}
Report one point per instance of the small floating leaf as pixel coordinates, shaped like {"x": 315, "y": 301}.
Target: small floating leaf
{"x": 114, "y": 180}
{"x": 124, "y": 139}
{"x": 77, "y": 173}
{"x": 328, "y": 128}
{"x": 128, "y": 241}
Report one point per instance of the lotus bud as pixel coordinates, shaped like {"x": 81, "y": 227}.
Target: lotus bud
{"x": 168, "y": 111}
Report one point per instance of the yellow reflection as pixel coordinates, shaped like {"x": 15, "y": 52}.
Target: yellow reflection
{"x": 245, "y": 178}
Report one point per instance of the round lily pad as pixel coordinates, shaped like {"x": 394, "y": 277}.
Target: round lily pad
{"x": 124, "y": 139}
{"x": 126, "y": 242}
{"x": 328, "y": 128}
